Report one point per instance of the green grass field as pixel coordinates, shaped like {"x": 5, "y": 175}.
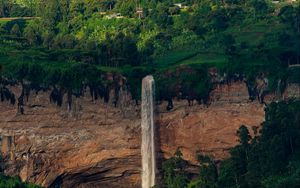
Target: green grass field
{"x": 251, "y": 34}
{"x": 174, "y": 57}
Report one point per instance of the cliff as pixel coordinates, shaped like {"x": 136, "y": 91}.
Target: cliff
{"x": 98, "y": 145}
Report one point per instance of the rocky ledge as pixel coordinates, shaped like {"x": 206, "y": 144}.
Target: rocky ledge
{"x": 98, "y": 145}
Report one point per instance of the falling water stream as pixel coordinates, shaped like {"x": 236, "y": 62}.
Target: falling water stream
{"x": 148, "y": 146}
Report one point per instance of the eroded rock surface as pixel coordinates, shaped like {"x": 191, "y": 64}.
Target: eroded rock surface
{"x": 98, "y": 145}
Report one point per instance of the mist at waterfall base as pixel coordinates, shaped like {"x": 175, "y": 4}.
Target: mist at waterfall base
{"x": 147, "y": 124}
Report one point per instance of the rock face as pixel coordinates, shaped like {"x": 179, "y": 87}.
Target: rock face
{"x": 49, "y": 146}
{"x": 206, "y": 130}
{"x": 209, "y": 129}
{"x": 98, "y": 145}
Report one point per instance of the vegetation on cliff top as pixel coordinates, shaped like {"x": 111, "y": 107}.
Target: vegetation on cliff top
{"x": 270, "y": 159}
{"x": 73, "y": 44}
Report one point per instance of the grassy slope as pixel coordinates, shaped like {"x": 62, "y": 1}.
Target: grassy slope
{"x": 248, "y": 33}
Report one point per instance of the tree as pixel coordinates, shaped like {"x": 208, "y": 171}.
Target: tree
{"x": 244, "y": 135}
{"x": 107, "y": 5}
{"x": 260, "y": 7}
{"x": 174, "y": 10}
{"x": 32, "y": 5}
{"x": 126, "y": 8}
{"x": 174, "y": 171}
{"x": 197, "y": 22}
{"x": 15, "y": 30}
{"x": 160, "y": 16}
{"x": 121, "y": 50}
{"x": 166, "y": 89}
{"x": 31, "y": 35}
{"x": 48, "y": 38}
{"x": 208, "y": 173}
{"x": 219, "y": 20}
{"x": 4, "y": 8}
{"x": 51, "y": 14}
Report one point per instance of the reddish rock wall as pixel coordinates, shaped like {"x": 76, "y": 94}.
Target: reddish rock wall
{"x": 97, "y": 145}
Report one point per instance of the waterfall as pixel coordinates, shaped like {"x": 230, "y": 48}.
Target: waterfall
{"x": 148, "y": 146}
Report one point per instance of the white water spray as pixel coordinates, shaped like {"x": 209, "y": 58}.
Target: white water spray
{"x": 148, "y": 145}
